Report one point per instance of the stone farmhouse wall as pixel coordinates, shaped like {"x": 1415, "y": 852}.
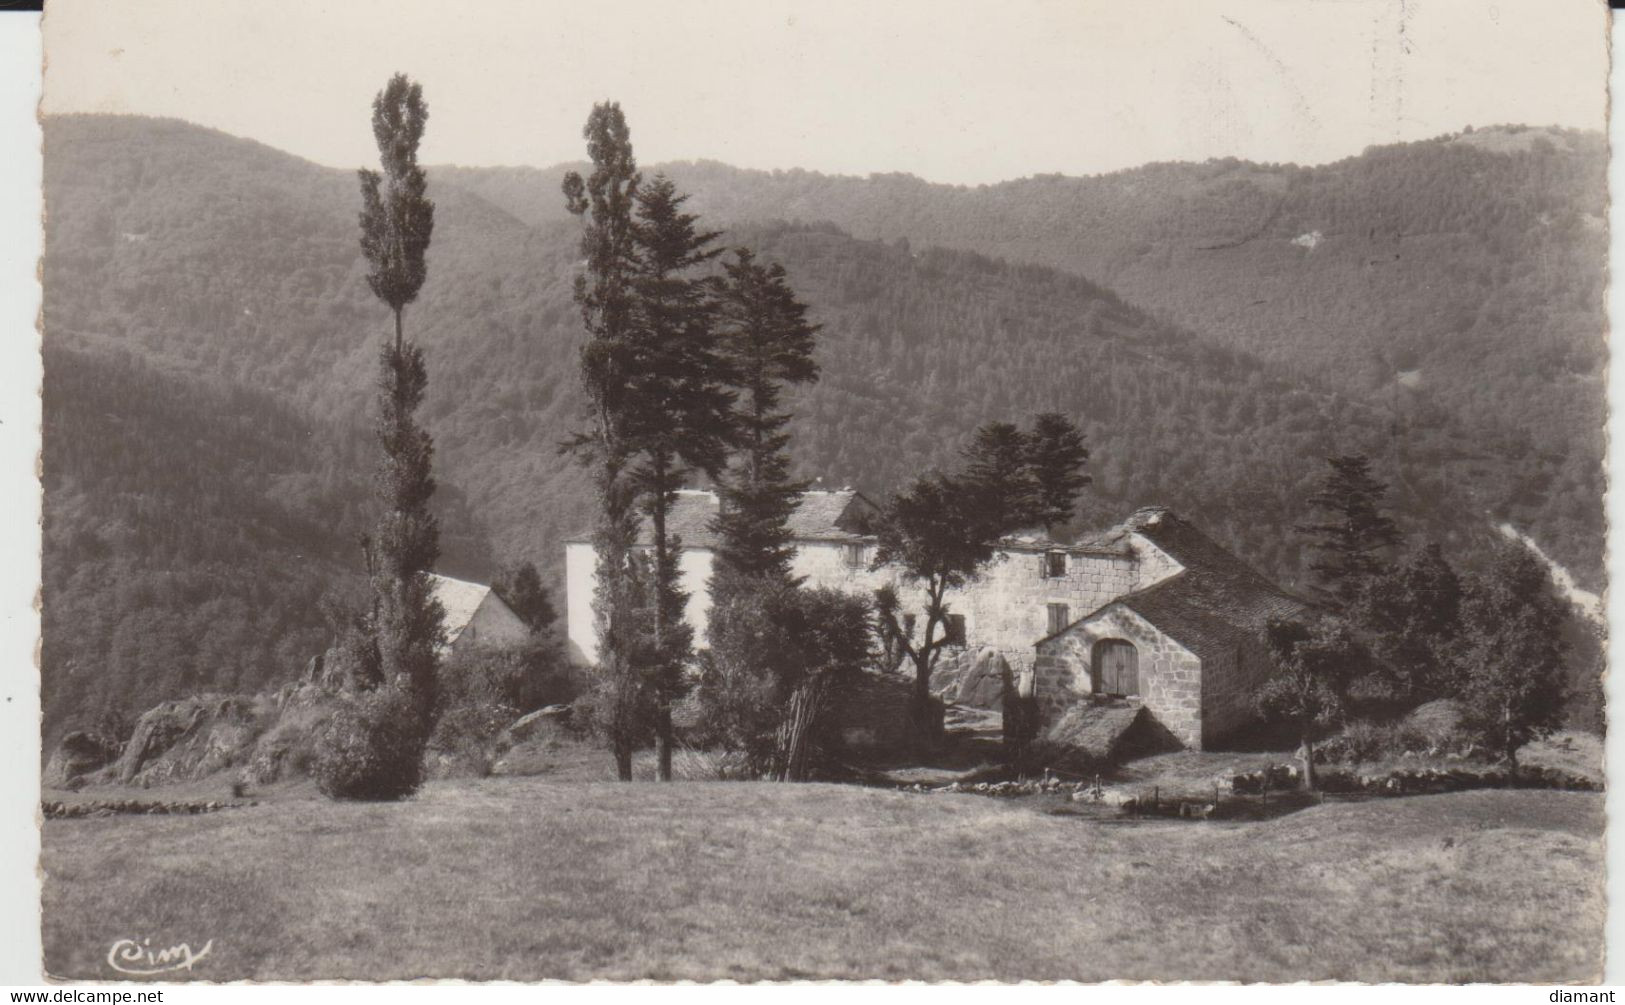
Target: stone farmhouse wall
{"x": 1006, "y": 609}
{"x": 493, "y": 625}
{"x": 1230, "y": 688}
{"x": 1170, "y": 674}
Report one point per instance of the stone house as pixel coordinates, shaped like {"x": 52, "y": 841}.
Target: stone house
{"x": 1187, "y": 642}
{"x": 476, "y": 618}
{"x": 1150, "y": 611}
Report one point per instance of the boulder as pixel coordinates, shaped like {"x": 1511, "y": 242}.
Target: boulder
{"x": 76, "y": 756}
{"x": 981, "y": 681}
{"x": 542, "y": 725}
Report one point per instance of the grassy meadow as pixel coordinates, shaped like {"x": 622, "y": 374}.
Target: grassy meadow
{"x": 535, "y": 878}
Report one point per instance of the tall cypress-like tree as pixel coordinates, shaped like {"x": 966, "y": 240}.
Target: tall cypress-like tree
{"x": 1347, "y": 546}
{"x": 397, "y": 220}
{"x": 605, "y": 201}
{"x": 681, "y": 416}
{"x": 768, "y": 343}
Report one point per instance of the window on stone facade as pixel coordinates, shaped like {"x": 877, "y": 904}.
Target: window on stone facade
{"x": 1059, "y": 618}
{"x": 853, "y": 553}
{"x": 1054, "y": 564}
{"x": 956, "y": 630}
{"x": 908, "y": 626}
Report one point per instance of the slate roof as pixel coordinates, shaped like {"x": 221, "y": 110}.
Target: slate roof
{"x": 1214, "y": 605}
{"x": 461, "y": 599}
{"x": 835, "y": 515}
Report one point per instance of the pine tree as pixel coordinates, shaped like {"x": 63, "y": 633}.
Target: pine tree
{"x": 521, "y": 589}
{"x": 756, "y": 689}
{"x": 604, "y": 202}
{"x": 1347, "y": 547}
{"x": 1056, "y": 456}
{"x": 1000, "y": 475}
{"x": 768, "y": 343}
{"x": 397, "y": 220}
{"x": 681, "y": 412}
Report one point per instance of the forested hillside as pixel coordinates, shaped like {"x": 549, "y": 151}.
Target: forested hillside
{"x": 209, "y": 325}
{"x": 1462, "y": 275}
{"x": 192, "y": 529}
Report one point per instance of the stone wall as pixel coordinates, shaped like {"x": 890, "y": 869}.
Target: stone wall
{"x": 1170, "y": 674}
{"x": 1006, "y": 608}
{"x": 1230, "y": 688}
{"x": 493, "y": 625}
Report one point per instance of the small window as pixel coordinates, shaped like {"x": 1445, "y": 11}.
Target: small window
{"x": 1059, "y": 618}
{"x": 908, "y": 626}
{"x": 955, "y": 630}
{"x": 1054, "y": 564}
{"x": 853, "y": 553}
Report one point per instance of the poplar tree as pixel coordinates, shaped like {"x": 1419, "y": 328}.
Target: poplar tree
{"x": 397, "y": 220}
{"x": 604, "y": 201}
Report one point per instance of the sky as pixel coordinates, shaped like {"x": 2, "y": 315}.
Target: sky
{"x": 949, "y": 90}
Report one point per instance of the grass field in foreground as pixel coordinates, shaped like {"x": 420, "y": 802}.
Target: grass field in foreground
{"x": 530, "y": 879}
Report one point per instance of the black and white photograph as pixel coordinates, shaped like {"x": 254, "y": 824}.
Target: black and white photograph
{"x": 782, "y": 491}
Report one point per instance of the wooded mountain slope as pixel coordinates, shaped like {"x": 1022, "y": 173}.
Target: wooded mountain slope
{"x": 1466, "y": 272}
{"x": 231, "y": 272}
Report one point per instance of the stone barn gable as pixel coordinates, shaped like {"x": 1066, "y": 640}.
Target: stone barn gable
{"x": 1196, "y": 637}
{"x": 476, "y": 617}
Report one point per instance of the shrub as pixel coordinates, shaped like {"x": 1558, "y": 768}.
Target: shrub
{"x": 467, "y": 738}
{"x": 371, "y": 748}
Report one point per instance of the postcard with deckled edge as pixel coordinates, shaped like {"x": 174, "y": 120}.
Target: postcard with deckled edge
{"x": 824, "y": 492}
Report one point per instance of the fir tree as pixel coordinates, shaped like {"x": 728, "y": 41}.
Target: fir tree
{"x": 1000, "y": 475}
{"x": 604, "y": 201}
{"x": 768, "y": 343}
{"x": 1055, "y": 456}
{"x": 521, "y": 589}
{"x": 680, "y": 412}
{"x": 1347, "y": 547}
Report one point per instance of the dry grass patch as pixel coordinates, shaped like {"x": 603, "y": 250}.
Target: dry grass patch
{"x": 526, "y": 879}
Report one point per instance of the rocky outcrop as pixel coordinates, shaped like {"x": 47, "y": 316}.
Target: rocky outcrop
{"x": 286, "y": 749}
{"x": 77, "y": 756}
{"x": 188, "y": 739}
{"x": 980, "y": 681}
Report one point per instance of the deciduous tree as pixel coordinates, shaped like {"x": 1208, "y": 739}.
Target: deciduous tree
{"x": 1514, "y": 655}
{"x": 1314, "y": 664}
{"x": 404, "y": 623}
{"x": 604, "y": 201}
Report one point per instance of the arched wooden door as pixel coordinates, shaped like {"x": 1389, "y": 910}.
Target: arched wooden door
{"x": 1116, "y": 667}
